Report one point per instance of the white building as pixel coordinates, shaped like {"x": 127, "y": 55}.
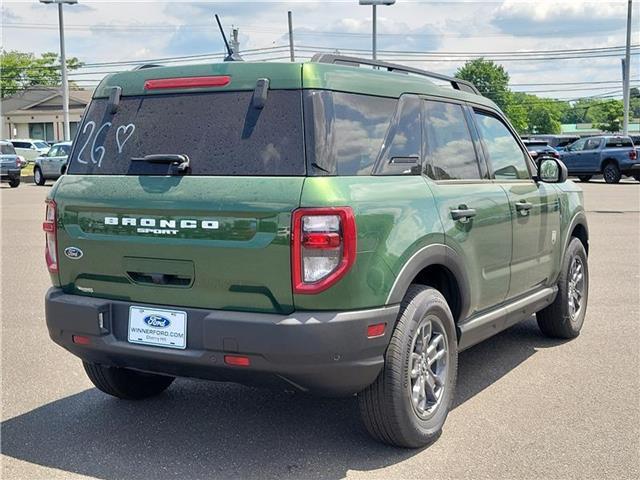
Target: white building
{"x": 37, "y": 113}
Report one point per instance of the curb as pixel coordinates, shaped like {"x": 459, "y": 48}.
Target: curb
{"x": 26, "y": 179}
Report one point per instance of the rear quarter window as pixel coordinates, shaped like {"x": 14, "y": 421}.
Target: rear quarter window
{"x": 7, "y": 149}
{"x": 619, "y": 143}
{"x": 345, "y": 131}
{"x": 222, "y": 133}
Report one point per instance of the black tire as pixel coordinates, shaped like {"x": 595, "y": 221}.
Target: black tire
{"x": 611, "y": 173}
{"x": 386, "y": 406}
{"x": 637, "y": 177}
{"x": 124, "y": 383}
{"x": 556, "y": 320}
{"x": 14, "y": 182}
{"x": 584, "y": 178}
{"x": 38, "y": 177}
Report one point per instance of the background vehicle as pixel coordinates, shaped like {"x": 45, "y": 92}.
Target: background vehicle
{"x": 9, "y": 164}
{"x": 30, "y": 149}
{"x": 538, "y": 148}
{"x": 559, "y": 142}
{"x": 52, "y": 164}
{"x": 323, "y": 230}
{"x": 611, "y": 156}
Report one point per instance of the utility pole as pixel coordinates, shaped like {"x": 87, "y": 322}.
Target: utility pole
{"x": 63, "y": 65}
{"x": 626, "y": 74}
{"x": 291, "y": 51}
{"x": 374, "y": 4}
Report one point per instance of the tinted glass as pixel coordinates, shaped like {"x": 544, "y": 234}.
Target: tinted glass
{"x": 506, "y": 157}
{"x": 221, "y": 133}
{"x": 7, "y": 149}
{"x": 41, "y": 145}
{"x": 345, "y": 131}
{"x": 619, "y": 143}
{"x": 578, "y": 145}
{"x": 450, "y": 153}
{"x": 21, "y": 144}
{"x": 403, "y": 143}
{"x": 592, "y": 144}
{"x": 63, "y": 150}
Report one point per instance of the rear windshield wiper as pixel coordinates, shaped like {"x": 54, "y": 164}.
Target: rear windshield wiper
{"x": 180, "y": 161}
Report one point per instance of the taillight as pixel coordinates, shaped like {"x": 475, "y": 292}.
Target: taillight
{"x": 633, "y": 154}
{"x": 323, "y": 247}
{"x": 187, "y": 82}
{"x": 50, "y": 233}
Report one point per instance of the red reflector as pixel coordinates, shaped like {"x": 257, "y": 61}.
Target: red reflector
{"x": 376, "y": 330}
{"x": 237, "y": 360}
{"x": 187, "y": 82}
{"x": 48, "y": 226}
{"x": 321, "y": 240}
{"x": 81, "y": 339}
{"x": 633, "y": 154}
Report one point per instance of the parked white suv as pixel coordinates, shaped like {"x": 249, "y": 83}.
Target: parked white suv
{"x": 30, "y": 149}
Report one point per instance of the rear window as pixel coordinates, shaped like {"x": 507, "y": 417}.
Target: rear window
{"x": 7, "y": 149}
{"x": 222, "y": 133}
{"x": 619, "y": 143}
{"x": 21, "y": 144}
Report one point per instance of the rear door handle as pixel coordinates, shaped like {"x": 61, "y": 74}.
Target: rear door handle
{"x": 463, "y": 214}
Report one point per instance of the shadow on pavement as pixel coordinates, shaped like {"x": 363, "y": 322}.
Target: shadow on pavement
{"x": 202, "y": 429}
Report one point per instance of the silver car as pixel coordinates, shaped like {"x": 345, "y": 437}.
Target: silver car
{"x": 53, "y": 164}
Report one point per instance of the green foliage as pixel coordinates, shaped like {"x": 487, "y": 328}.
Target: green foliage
{"x": 20, "y": 70}
{"x": 607, "y": 115}
{"x": 492, "y": 80}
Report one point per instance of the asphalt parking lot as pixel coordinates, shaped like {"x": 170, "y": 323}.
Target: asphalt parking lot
{"x": 526, "y": 406}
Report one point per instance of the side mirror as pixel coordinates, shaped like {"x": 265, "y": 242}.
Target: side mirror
{"x": 551, "y": 170}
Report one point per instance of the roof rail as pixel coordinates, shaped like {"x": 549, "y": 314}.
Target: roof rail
{"x": 456, "y": 83}
{"x": 146, "y": 65}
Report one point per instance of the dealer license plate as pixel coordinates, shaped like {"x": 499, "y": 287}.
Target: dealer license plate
{"x": 158, "y": 327}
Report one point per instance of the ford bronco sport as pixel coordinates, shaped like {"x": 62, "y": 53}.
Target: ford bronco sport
{"x": 319, "y": 227}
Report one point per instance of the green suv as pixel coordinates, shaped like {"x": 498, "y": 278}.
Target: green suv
{"x": 324, "y": 227}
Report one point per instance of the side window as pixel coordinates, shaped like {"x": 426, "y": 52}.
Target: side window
{"x": 21, "y": 145}
{"x": 578, "y": 145}
{"x": 401, "y": 148}
{"x": 345, "y": 131}
{"x": 63, "y": 150}
{"x": 53, "y": 152}
{"x": 592, "y": 144}
{"x": 505, "y": 156}
{"x": 450, "y": 153}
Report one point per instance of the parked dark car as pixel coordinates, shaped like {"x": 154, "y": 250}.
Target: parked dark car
{"x": 540, "y": 148}
{"x": 9, "y": 164}
{"x": 559, "y": 142}
{"x": 611, "y": 156}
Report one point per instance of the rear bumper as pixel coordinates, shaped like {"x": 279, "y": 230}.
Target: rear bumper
{"x": 326, "y": 353}
{"x": 632, "y": 169}
{"x": 9, "y": 173}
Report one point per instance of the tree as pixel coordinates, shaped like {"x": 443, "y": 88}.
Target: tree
{"x": 492, "y": 80}
{"x": 607, "y": 115}
{"x": 541, "y": 115}
{"x": 634, "y": 102}
{"x": 22, "y": 70}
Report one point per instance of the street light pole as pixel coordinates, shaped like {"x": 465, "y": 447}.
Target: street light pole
{"x": 626, "y": 74}
{"x": 65, "y": 81}
{"x": 374, "y": 4}
{"x": 63, "y": 65}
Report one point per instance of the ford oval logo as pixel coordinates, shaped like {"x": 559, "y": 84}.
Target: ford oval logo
{"x": 73, "y": 252}
{"x": 157, "y": 321}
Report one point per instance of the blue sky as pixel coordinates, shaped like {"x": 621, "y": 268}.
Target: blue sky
{"x": 105, "y": 31}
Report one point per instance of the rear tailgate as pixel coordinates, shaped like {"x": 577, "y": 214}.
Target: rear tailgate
{"x": 219, "y": 242}
{"x": 214, "y": 235}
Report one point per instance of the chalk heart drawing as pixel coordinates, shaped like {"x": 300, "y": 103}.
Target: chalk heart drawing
{"x": 123, "y": 133}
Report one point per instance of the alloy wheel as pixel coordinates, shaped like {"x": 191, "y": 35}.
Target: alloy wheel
{"x": 428, "y": 367}
{"x": 575, "y": 287}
